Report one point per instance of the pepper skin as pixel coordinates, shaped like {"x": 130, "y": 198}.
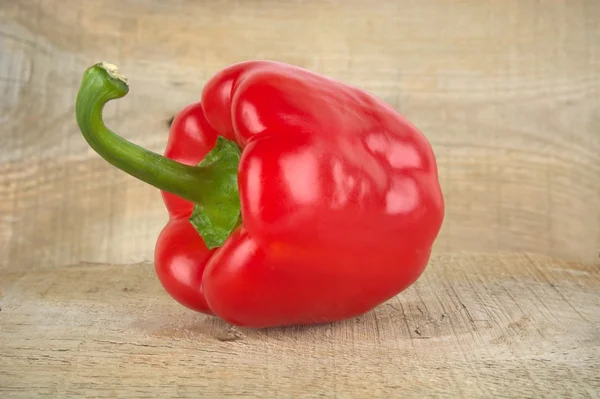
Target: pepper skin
{"x": 339, "y": 198}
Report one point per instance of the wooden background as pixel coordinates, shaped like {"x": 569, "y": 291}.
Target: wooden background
{"x": 508, "y": 93}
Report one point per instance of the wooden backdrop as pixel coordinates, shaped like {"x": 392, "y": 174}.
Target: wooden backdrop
{"x": 508, "y": 93}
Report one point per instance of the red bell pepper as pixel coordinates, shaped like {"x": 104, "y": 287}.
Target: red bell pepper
{"x": 293, "y": 198}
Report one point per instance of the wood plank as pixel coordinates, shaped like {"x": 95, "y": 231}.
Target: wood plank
{"x": 507, "y": 92}
{"x": 475, "y": 325}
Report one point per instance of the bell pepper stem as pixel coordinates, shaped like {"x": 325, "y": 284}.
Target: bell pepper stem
{"x": 102, "y": 83}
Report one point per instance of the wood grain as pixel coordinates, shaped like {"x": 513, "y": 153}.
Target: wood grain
{"x": 507, "y": 92}
{"x": 475, "y": 325}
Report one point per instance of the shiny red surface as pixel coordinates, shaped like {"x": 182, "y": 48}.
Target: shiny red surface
{"x": 340, "y": 200}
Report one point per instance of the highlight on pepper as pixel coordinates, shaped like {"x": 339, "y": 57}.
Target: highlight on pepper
{"x": 292, "y": 198}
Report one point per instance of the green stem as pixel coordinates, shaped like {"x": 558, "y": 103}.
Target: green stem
{"x": 102, "y": 83}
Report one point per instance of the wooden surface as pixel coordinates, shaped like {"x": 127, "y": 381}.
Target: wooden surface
{"x": 507, "y": 92}
{"x": 473, "y": 326}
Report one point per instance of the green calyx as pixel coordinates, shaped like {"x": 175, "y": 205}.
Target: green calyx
{"x": 217, "y": 217}
{"x": 211, "y": 185}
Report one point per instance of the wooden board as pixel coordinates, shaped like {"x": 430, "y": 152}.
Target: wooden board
{"x": 507, "y": 92}
{"x": 473, "y": 326}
